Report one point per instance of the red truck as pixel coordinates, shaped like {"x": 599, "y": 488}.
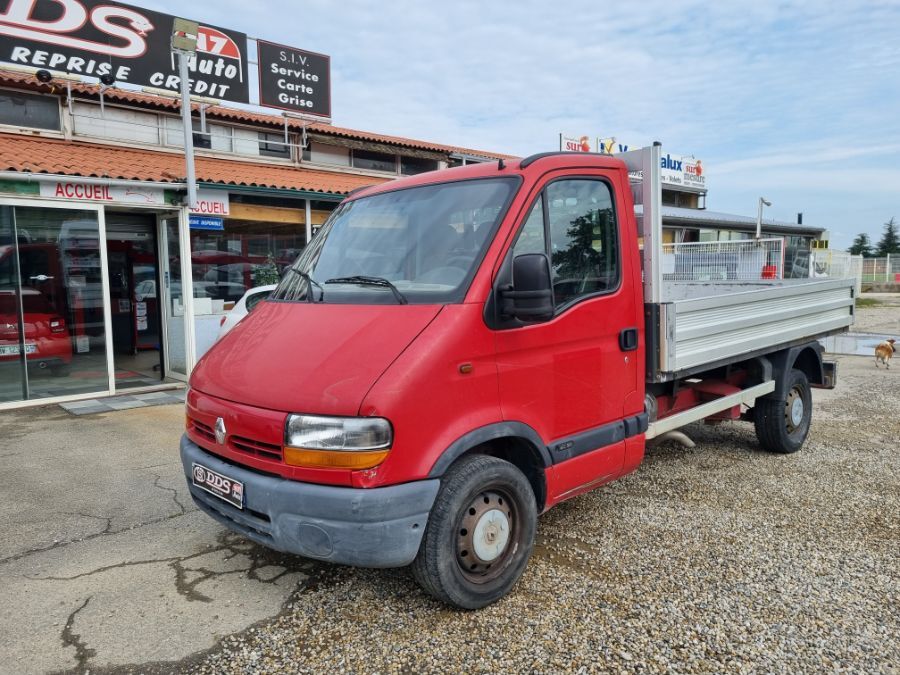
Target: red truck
{"x": 456, "y": 352}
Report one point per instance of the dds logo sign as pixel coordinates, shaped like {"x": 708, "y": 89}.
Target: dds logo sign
{"x": 96, "y": 37}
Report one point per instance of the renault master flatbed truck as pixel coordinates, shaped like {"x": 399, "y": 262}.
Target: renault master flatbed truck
{"x": 457, "y": 352}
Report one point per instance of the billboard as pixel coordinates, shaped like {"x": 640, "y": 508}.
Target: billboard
{"x": 682, "y": 170}
{"x": 95, "y": 38}
{"x": 575, "y": 143}
{"x": 294, "y": 79}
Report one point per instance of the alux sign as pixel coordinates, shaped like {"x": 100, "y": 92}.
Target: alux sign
{"x": 130, "y": 44}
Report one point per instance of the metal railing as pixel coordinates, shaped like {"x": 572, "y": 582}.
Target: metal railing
{"x": 837, "y": 264}
{"x": 739, "y": 260}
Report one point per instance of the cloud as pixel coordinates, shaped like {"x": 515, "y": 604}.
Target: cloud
{"x": 749, "y": 87}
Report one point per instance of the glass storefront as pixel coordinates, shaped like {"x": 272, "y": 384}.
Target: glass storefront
{"x": 92, "y": 299}
{"x": 52, "y": 328}
{"x": 258, "y": 240}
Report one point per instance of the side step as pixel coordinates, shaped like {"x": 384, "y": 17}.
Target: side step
{"x": 745, "y": 396}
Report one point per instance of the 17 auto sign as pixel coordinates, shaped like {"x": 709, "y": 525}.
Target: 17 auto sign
{"x": 130, "y": 44}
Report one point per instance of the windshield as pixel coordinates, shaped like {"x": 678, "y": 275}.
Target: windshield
{"x": 418, "y": 245}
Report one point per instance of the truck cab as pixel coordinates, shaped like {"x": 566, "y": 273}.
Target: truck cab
{"x": 453, "y": 354}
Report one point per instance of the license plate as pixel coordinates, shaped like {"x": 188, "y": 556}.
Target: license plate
{"x": 13, "y": 350}
{"x": 223, "y": 487}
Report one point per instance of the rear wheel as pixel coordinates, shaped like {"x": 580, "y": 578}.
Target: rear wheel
{"x": 782, "y": 425}
{"x": 479, "y": 535}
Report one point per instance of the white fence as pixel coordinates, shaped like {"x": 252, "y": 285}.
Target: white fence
{"x": 881, "y": 270}
{"x": 740, "y": 260}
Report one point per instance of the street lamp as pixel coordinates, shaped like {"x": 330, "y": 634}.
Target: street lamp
{"x": 762, "y": 202}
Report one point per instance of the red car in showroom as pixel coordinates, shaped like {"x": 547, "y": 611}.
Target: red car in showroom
{"x": 47, "y": 341}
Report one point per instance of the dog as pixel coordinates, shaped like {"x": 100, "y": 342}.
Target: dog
{"x": 884, "y": 351}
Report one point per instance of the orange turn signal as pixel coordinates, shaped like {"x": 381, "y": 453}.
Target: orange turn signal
{"x": 335, "y": 459}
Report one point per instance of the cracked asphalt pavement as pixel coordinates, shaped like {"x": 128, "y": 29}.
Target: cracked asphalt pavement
{"x": 104, "y": 561}
{"x": 721, "y": 558}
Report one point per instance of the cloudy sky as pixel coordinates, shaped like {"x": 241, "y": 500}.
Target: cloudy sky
{"x": 795, "y": 101}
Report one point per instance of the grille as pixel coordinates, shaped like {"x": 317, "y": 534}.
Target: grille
{"x": 256, "y": 448}
{"x": 204, "y": 431}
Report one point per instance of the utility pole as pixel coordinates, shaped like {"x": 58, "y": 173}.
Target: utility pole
{"x": 762, "y": 202}
{"x": 184, "y": 45}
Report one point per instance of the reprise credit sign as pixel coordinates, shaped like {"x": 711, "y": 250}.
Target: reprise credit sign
{"x": 294, "y": 79}
{"x": 132, "y": 44}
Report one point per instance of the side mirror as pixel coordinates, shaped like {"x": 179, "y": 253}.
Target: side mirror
{"x": 531, "y": 296}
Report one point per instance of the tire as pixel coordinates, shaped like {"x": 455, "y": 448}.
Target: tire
{"x": 782, "y": 425}
{"x": 479, "y": 535}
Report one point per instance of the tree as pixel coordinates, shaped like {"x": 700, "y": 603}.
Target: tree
{"x": 890, "y": 240}
{"x": 862, "y": 245}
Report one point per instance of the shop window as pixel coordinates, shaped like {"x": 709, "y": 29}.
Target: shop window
{"x": 684, "y": 200}
{"x": 410, "y": 166}
{"x": 273, "y": 145}
{"x": 29, "y": 110}
{"x": 336, "y": 155}
{"x": 217, "y": 137}
{"x": 374, "y": 161}
{"x": 246, "y": 254}
{"x": 116, "y": 123}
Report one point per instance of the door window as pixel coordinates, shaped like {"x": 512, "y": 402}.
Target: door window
{"x": 580, "y": 237}
{"x": 531, "y": 238}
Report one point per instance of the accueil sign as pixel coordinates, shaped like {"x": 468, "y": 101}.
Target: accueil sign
{"x": 75, "y": 191}
{"x": 130, "y": 44}
{"x": 209, "y": 202}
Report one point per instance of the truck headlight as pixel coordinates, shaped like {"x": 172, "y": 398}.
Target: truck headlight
{"x": 336, "y": 442}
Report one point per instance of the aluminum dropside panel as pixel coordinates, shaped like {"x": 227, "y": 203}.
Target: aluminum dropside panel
{"x": 711, "y": 329}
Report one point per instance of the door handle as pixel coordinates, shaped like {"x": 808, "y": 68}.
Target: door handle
{"x": 628, "y": 339}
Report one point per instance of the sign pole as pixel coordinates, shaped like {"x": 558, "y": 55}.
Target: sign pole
{"x": 184, "y": 44}
{"x": 186, "y": 122}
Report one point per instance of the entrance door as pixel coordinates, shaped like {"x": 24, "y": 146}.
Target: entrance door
{"x": 172, "y": 300}
{"x": 132, "y": 254}
{"x": 52, "y": 325}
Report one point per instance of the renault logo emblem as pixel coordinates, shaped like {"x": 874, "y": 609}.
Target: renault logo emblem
{"x": 220, "y": 431}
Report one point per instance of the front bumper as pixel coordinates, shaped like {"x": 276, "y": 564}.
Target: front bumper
{"x": 377, "y": 527}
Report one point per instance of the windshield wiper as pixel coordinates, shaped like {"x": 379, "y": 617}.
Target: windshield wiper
{"x": 363, "y": 280}
{"x": 311, "y": 282}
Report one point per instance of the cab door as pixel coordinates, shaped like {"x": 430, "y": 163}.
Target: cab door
{"x": 569, "y": 377}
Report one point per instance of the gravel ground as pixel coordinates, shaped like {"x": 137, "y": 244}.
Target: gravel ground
{"x": 717, "y": 559}
{"x": 883, "y": 317}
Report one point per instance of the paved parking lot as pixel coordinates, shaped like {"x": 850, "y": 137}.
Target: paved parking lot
{"x": 716, "y": 559}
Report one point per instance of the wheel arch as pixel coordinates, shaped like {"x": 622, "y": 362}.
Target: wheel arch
{"x": 515, "y": 442}
{"x": 807, "y": 358}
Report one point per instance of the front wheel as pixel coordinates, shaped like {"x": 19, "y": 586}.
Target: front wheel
{"x": 479, "y": 535}
{"x": 782, "y": 426}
